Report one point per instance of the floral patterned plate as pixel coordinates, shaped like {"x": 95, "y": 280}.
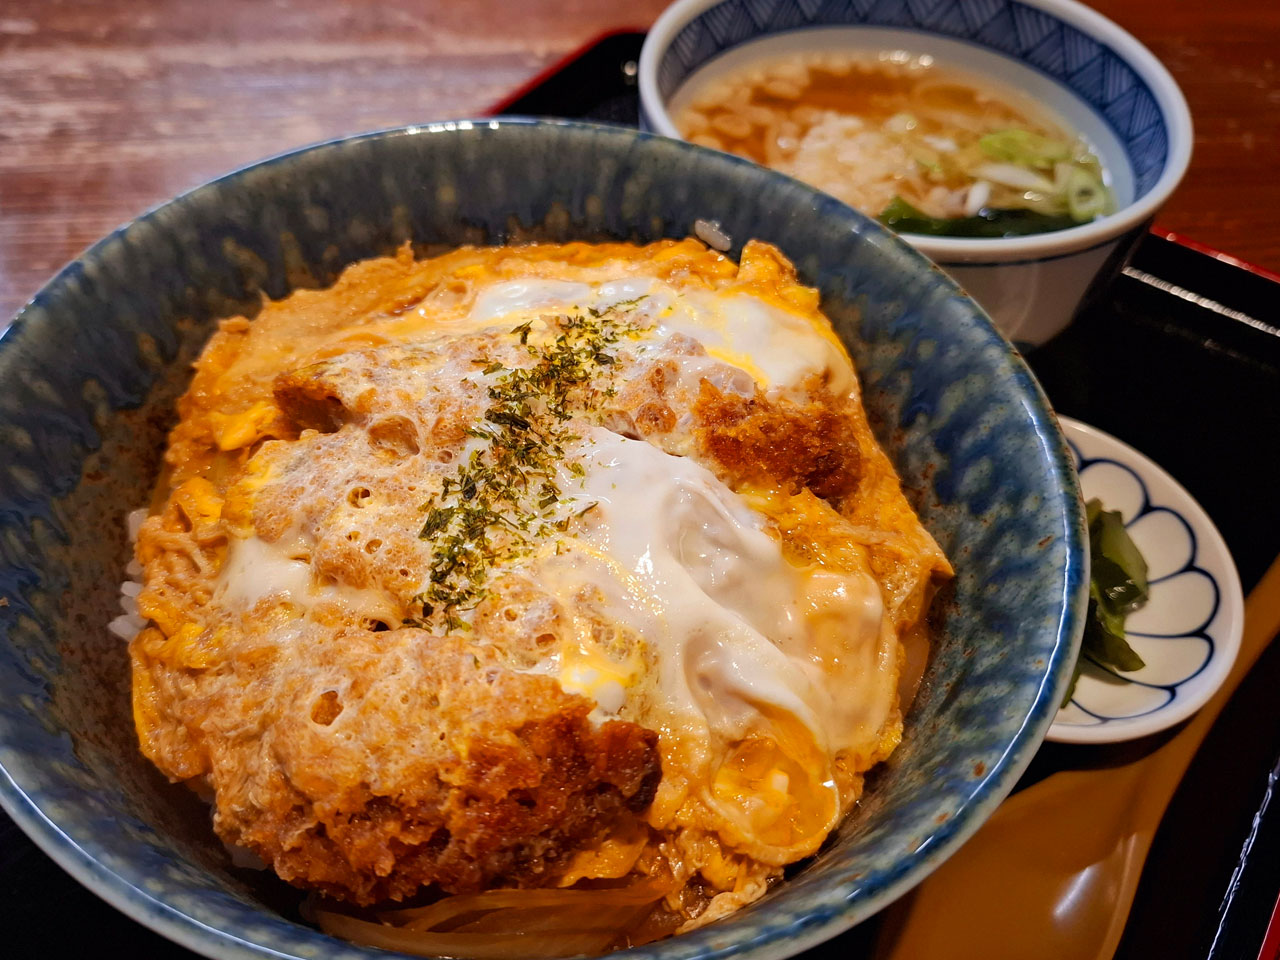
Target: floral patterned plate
{"x": 1188, "y": 632}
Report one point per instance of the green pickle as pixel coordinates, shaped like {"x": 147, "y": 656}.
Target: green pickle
{"x": 1117, "y": 587}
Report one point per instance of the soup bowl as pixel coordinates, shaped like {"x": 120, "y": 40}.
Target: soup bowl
{"x": 93, "y": 364}
{"x": 1075, "y": 62}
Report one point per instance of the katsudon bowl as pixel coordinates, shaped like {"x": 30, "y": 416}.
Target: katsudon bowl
{"x": 92, "y": 366}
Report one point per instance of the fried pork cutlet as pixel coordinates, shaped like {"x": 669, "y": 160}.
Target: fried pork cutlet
{"x": 527, "y": 567}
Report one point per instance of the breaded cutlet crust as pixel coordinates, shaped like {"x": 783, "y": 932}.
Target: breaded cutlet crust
{"x": 438, "y": 765}
{"x": 368, "y": 758}
{"x": 506, "y": 806}
{"x": 377, "y": 759}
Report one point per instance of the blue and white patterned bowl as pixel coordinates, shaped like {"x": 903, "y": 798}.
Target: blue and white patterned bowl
{"x": 1079, "y": 64}
{"x": 1188, "y": 633}
{"x": 91, "y": 368}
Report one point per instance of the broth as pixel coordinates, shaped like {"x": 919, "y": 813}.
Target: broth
{"x": 925, "y": 148}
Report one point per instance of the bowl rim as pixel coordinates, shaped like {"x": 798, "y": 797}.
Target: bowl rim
{"x": 1056, "y": 243}
{"x": 801, "y": 932}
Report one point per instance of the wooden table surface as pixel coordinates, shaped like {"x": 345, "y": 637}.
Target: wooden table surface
{"x": 108, "y": 107}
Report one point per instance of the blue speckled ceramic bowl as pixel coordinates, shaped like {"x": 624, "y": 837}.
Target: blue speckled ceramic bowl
{"x": 91, "y": 367}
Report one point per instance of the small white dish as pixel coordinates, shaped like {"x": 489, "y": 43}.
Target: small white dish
{"x": 1188, "y": 633}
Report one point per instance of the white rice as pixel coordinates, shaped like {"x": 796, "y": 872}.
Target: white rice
{"x": 130, "y": 623}
{"x": 712, "y": 234}
{"x": 127, "y": 626}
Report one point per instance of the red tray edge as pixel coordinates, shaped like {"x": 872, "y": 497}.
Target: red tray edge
{"x": 549, "y": 71}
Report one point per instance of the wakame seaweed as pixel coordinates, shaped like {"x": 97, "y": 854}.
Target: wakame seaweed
{"x": 902, "y": 217}
{"x": 1117, "y": 587}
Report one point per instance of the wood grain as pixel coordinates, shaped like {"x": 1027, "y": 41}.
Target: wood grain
{"x": 1225, "y": 54}
{"x": 108, "y": 108}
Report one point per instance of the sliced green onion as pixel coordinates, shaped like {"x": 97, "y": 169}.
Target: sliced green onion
{"x": 1024, "y": 147}
{"x": 1087, "y": 197}
{"x": 1062, "y": 171}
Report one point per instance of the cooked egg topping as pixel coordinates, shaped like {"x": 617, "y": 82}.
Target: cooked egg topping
{"x": 641, "y": 475}
{"x": 777, "y": 346}
{"x": 753, "y": 657}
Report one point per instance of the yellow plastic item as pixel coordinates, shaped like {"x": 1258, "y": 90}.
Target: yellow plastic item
{"x": 1054, "y": 871}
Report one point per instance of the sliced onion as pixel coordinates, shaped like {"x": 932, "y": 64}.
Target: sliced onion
{"x": 451, "y": 908}
{"x": 502, "y": 924}
{"x": 941, "y": 144}
{"x": 976, "y": 198}
{"x": 571, "y": 903}
{"x": 476, "y": 946}
{"x": 1011, "y": 175}
{"x": 525, "y": 921}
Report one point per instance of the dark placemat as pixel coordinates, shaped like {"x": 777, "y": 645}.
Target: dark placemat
{"x": 1180, "y": 357}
